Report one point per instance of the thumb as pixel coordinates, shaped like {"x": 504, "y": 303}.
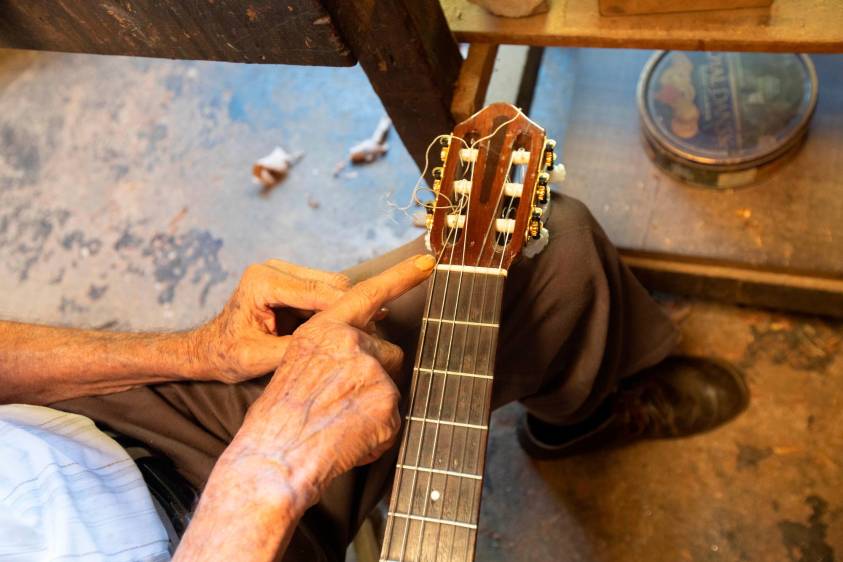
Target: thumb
{"x": 263, "y": 354}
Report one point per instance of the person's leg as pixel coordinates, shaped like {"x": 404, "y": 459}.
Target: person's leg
{"x": 574, "y": 319}
{"x": 574, "y": 322}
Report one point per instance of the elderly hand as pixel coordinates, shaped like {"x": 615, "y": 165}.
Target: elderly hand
{"x": 242, "y": 342}
{"x": 332, "y": 404}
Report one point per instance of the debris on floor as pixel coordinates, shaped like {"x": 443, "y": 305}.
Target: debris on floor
{"x": 369, "y": 150}
{"x": 270, "y": 170}
{"x": 174, "y": 222}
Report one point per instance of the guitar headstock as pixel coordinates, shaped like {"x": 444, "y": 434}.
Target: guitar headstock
{"x": 491, "y": 189}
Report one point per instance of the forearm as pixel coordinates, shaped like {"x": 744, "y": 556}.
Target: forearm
{"x": 248, "y": 510}
{"x": 42, "y": 364}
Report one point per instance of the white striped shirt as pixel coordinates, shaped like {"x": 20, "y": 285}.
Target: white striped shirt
{"x": 68, "y": 492}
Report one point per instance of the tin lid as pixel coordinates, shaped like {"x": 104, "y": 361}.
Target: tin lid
{"x": 727, "y": 110}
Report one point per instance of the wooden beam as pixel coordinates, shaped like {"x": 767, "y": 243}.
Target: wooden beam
{"x": 514, "y": 76}
{"x": 733, "y": 283}
{"x": 529, "y": 78}
{"x": 411, "y": 58}
{"x": 800, "y": 26}
{"x": 257, "y": 31}
{"x": 470, "y": 91}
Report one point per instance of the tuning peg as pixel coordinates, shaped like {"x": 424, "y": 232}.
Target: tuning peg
{"x": 534, "y": 228}
{"x": 437, "y": 173}
{"x": 446, "y": 144}
{"x": 429, "y": 208}
{"x": 558, "y": 174}
{"x": 549, "y": 154}
{"x": 542, "y": 189}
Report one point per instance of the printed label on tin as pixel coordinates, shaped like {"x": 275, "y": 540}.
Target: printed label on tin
{"x": 727, "y": 108}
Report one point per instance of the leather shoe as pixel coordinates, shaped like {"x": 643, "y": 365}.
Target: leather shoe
{"x": 678, "y": 397}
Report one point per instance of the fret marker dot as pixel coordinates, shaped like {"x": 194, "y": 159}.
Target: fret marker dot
{"x": 435, "y": 495}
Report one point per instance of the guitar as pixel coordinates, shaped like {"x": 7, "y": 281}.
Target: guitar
{"x": 489, "y": 196}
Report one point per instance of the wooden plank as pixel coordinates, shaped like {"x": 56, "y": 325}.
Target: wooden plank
{"x": 630, "y": 7}
{"x": 257, "y": 31}
{"x": 791, "y": 222}
{"x": 786, "y": 290}
{"x": 470, "y": 91}
{"x": 411, "y": 59}
{"x": 787, "y": 26}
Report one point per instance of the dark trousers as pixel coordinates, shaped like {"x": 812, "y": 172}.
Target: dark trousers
{"x": 574, "y": 322}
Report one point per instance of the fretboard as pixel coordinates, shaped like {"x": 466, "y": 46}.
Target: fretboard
{"x": 435, "y": 503}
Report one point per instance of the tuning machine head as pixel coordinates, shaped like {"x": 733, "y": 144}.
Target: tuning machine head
{"x": 437, "y": 178}
{"x": 429, "y": 209}
{"x": 549, "y": 154}
{"x": 542, "y": 188}
{"x": 445, "y": 143}
{"x": 534, "y": 227}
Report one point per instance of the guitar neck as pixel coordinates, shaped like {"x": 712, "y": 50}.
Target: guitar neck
{"x": 435, "y": 503}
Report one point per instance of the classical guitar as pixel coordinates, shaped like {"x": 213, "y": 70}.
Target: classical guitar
{"x": 488, "y": 198}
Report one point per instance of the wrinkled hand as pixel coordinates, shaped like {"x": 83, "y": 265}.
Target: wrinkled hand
{"x": 242, "y": 342}
{"x": 332, "y": 404}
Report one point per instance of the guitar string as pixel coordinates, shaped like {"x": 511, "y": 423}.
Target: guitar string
{"x": 445, "y": 379}
{"x": 476, "y": 354}
{"x": 465, "y": 338}
{"x": 430, "y": 383}
{"x": 402, "y": 453}
{"x": 487, "y": 386}
{"x": 388, "y": 531}
{"x": 497, "y": 302}
{"x": 490, "y": 353}
{"x": 420, "y": 186}
{"x": 471, "y": 296}
{"x": 414, "y": 477}
{"x": 405, "y": 440}
{"x": 397, "y": 488}
{"x": 426, "y": 496}
{"x": 473, "y": 369}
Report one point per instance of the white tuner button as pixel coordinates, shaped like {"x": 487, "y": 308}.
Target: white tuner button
{"x": 505, "y": 226}
{"x": 456, "y": 221}
{"x": 468, "y": 154}
{"x": 558, "y": 174}
{"x": 513, "y": 189}
{"x": 462, "y": 187}
{"x": 520, "y": 157}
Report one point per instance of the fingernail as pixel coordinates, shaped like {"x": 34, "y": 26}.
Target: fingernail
{"x": 425, "y": 262}
{"x": 382, "y": 313}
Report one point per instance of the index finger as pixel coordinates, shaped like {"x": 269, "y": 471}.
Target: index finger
{"x": 357, "y": 306}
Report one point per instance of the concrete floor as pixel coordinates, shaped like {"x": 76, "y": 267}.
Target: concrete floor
{"x": 126, "y": 202}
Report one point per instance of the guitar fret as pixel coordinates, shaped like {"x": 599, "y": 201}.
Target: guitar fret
{"x": 454, "y": 373}
{"x": 461, "y": 322}
{"x": 432, "y": 520}
{"x": 446, "y": 422}
{"x": 439, "y": 471}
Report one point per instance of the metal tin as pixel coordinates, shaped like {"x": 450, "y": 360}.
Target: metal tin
{"x": 724, "y": 120}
